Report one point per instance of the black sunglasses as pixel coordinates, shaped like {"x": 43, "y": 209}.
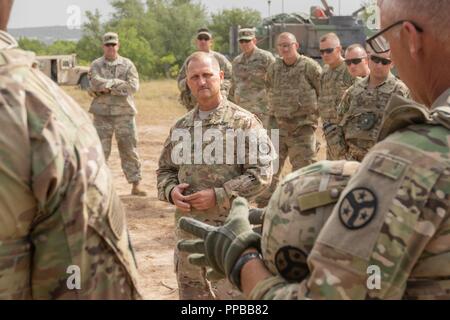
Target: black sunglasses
{"x": 244, "y": 41}
{"x": 204, "y": 38}
{"x": 327, "y": 51}
{"x": 378, "y": 60}
{"x": 110, "y": 45}
{"x": 378, "y": 42}
{"x": 355, "y": 61}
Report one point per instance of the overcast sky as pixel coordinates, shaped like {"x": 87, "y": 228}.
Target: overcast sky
{"x": 27, "y": 13}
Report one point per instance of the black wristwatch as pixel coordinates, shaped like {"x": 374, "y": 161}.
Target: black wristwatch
{"x": 235, "y": 275}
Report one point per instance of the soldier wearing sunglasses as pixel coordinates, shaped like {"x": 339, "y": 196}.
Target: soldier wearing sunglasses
{"x": 334, "y": 81}
{"x": 362, "y": 109}
{"x": 204, "y": 43}
{"x": 357, "y": 61}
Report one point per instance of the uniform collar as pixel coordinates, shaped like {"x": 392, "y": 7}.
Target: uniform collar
{"x": 443, "y": 100}
{"x": 365, "y": 81}
{"x": 215, "y": 117}
{"x": 7, "y": 41}
{"x": 118, "y": 61}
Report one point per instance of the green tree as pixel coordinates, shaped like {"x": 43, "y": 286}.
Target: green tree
{"x": 89, "y": 46}
{"x": 38, "y": 47}
{"x": 62, "y": 47}
{"x": 223, "y": 20}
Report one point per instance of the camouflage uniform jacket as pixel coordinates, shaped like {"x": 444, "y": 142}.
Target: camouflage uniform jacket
{"x": 362, "y": 110}
{"x": 57, "y": 204}
{"x": 249, "y": 75}
{"x": 121, "y": 77}
{"x": 333, "y": 84}
{"x": 186, "y": 98}
{"x": 293, "y": 89}
{"x": 228, "y": 180}
{"x": 387, "y": 237}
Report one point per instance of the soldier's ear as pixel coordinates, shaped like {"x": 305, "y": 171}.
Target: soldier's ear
{"x": 221, "y": 75}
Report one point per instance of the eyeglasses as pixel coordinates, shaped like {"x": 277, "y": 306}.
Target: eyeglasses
{"x": 244, "y": 41}
{"x": 110, "y": 45}
{"x": 203, "y": 38}
{"x": 381, "y": 60}
{"x": 285, "y": 45}
{"x": 355, "y": 61}
{"x": 327, "y": 51}
{"x": 378, "y": 42}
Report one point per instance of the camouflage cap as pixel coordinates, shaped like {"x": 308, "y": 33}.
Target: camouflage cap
{"x": 110, "y": 37}
{"x": 204, "y": 32}
{"x": 246, "y": 34}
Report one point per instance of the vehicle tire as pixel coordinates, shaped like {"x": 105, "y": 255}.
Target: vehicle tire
{"x": 84, "y": 82}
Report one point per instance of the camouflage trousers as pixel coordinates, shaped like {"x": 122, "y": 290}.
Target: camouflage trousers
{"x": 297, "y": 141}
{"x": 192, "y": 281}
{"x": 124, "y": 128}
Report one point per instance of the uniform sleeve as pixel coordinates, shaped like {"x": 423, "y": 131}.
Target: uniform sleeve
{"x": 167, "y": 172}
{"x": 344, "y": 105}
{"x": 98, "y": 83}
{"x": 313, "y": 75}
{"x": 227, "y": 75}
{"x": 181, "y": 79}
{"x": 387, "y": 221}
{"x": 128, "y": 86}
{"x": 255, "y": 179}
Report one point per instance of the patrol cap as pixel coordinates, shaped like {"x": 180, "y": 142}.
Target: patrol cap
{"x": 204, "y": 32}
{"x": 246, "y": 34}
{"x": 110, "y": 37}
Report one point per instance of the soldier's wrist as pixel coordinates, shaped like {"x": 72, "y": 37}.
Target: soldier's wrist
{"x": 168, "y": 192}
{"x": 247, "y": 256}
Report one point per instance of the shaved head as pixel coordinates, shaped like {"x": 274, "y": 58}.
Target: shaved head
{"x": 434, "y": 13}
{"x": 5, "y": 9}
{"x": 205, "y": 57}
{"x": 332, "y": 38}
{"x": 287, "y": 35}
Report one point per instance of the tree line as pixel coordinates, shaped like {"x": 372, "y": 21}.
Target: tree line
{"x": 157, "y": 35}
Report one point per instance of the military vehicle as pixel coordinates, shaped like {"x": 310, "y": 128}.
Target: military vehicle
{"x": 63, "y": 70}
{"x": 308, "y": 29}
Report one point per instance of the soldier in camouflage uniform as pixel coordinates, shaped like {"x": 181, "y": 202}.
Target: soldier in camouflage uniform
{"x": 249, "y": 74}
{"x": 204, "y": 42}
{"x": 201, "y": 190}
{"x": 293, "y": 83}
{"x": 63, "y": 233}
{"x": 362, "y": 109}
{"x": 386, "y": 237}
{"x": 114, "y": 80}
{"x": 333, "y": 83}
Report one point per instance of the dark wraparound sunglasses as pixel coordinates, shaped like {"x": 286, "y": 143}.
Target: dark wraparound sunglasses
{"x": 378, "y": 60}
{"x": 204, "y": 38}
{"x": 378, "y": 42}
{"x": 244, "y": 41}
{"x": 327, "y": 51}
{"x": 110, "y": 45}
{"x": 355, "y": 61}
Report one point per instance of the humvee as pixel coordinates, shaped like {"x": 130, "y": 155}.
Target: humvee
{"x": 63, "y": 70}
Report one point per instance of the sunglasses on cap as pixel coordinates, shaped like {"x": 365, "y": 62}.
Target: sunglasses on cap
{"x": 355, "y": 61}
{"x": 327, "y": 51}
{"x": 244, "y": 41}
{"x": 378, "y": 60}
{"x": 203, "y": 38}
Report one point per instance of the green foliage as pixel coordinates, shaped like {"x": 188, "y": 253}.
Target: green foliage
{"x": 36, "y": 46}
{"x": 223, "y": 20}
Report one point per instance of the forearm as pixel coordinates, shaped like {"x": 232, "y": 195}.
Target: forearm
{"x": 252, "y": 273}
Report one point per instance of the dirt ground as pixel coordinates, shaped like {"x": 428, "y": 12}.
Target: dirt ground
{"x": 150, "y": 221}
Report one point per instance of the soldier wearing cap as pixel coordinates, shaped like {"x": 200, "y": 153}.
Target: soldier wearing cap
{"x": 63, "y": 232}
{"x": 114, "y": 79}
{"x": 204, "y": 42}
{"x": 249, "y": 73}
{"x": 334, "y": 81}
{"x": 248, "y": 83}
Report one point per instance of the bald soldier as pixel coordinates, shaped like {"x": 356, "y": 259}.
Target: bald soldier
{"x": 335, "y": 80}
{"x": 249, "y": 75}
{"x": 114, "y": 79}
{"x": 293, "y": 85}
{"x": 204, "y": 43}
{"x": 363, "y": 107}
{"x": 63, "y": 232}
{"x": 202, "y": 174}
{"x": 386, "y": 237}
